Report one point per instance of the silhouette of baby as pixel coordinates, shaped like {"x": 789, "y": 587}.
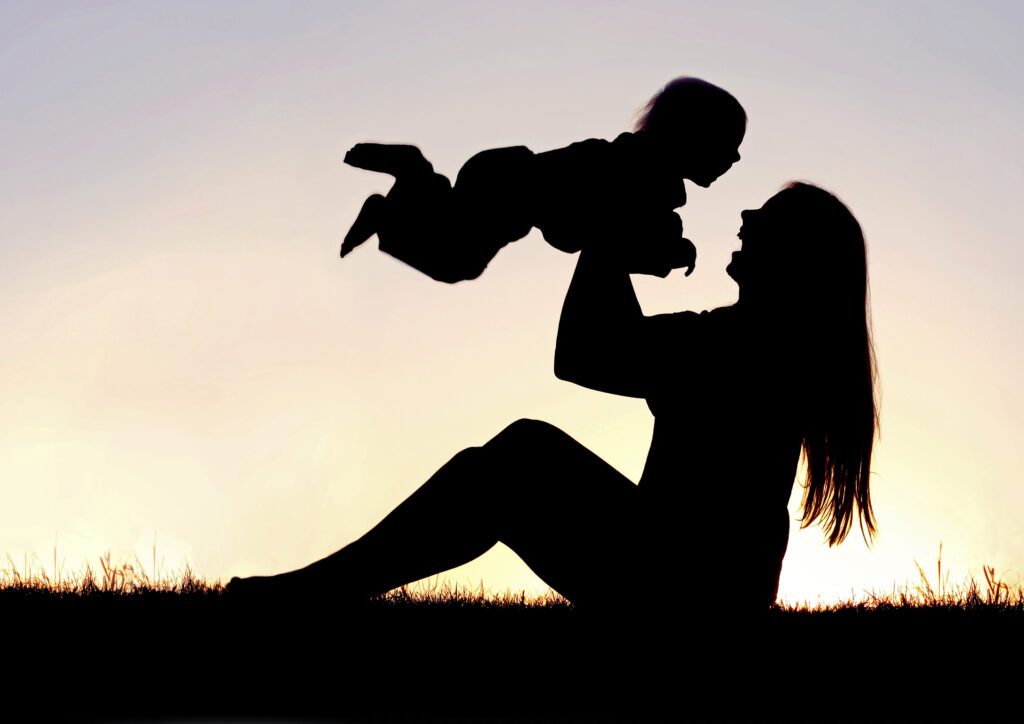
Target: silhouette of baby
{"x": 619, "y": 195}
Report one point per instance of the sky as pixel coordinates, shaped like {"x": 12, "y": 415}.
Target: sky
{"x": 190, "y": 375}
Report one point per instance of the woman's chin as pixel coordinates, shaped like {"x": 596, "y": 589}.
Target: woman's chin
{"x": 736, "y": 276}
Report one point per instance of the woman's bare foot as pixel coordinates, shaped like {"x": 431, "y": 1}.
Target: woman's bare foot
{"x": 292, "y": 590}
{"x": 251, "y": 587}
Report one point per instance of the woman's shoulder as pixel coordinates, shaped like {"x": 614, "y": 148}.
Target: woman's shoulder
{"x": 688, "y": 349}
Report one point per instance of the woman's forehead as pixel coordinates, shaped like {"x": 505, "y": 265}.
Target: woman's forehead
{"x": 778, "y": 201}
{"x": 773, "y": 210}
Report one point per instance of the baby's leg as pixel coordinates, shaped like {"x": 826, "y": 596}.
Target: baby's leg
{"x": 413, "y": 176}
{"x": 448, "y": 233}
{"x": 419, "y": 222}
{"x": 366, "y": 224}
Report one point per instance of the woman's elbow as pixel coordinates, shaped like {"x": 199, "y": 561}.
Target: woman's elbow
{"x": 570, "y": 367}
{"x": 563, "y": 370}
{"x": 595, "y": 372}
{"x": 571, "y": 354}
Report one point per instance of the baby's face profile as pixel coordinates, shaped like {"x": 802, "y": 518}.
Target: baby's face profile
{"x": 711, "y": 156}
{"x": 703, "y": 152}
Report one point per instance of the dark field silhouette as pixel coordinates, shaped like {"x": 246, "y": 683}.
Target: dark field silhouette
{"x": 122, "y": 648}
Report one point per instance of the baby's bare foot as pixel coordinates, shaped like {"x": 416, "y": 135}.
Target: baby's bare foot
{"x": 391, "y": 158}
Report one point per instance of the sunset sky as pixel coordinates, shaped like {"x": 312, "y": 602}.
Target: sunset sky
{"x": 185, "y": 358}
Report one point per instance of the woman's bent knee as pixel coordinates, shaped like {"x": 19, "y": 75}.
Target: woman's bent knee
{"x": 524, "y": 433}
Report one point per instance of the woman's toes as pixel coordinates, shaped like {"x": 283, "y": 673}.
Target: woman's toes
{"x": 238, "y": 587}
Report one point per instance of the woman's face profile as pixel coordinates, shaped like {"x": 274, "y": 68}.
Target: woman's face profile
{"x": 757, "y": 260}
{"x": 750, "y": 236}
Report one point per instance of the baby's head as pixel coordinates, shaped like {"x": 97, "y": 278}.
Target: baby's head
{"x": 697, "y": 126}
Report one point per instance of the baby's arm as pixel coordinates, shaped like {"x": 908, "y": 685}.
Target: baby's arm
{"x": 597, "y": 193}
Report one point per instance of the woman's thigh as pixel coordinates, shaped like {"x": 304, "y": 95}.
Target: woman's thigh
{"x": 572, "y": 517}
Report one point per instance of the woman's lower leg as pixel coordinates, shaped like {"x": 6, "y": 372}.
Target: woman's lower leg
{"x": 443, "y": 524}
{"x": 561, "y": 508}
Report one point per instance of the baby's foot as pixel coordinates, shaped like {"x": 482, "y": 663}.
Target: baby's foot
{"x": 366, "y": 224}
{"x": 391, "y": 158}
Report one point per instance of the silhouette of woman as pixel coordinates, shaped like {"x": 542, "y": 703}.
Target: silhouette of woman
{"x": 738, "y": 393}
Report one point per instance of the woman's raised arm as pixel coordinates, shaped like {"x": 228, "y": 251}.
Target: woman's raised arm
{"x": 601, "y": 341}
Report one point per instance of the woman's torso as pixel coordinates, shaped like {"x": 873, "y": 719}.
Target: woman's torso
{"x": 725, "y": 451}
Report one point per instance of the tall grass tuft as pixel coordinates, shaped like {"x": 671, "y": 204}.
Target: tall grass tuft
{"x": 122, "y": 579}
{"x": 940, "y": 594}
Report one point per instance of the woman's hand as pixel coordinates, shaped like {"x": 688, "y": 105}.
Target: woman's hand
{"x": 600, "y": 325}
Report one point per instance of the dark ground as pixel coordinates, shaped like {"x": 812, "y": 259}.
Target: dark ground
{"x": 106, "y": 657}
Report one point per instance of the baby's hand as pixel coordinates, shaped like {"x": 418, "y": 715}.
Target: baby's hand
{"x": 661, "y": 261}
{"x": 654, "y": 244}
{"x": 682, "y": 255}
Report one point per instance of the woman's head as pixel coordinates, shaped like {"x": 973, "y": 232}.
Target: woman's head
{"x": 698, "y": 125}
{"x": 803, "y": 263}
{"x": 802, "y": 252}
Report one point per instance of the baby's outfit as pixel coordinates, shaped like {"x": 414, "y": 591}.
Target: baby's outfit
{"x": 614, "y": 193}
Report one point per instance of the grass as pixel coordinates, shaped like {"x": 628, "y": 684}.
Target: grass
{"x": 940, "y": 594}
{"x": 131, "y": 578}
{"x": 123, "y": 578}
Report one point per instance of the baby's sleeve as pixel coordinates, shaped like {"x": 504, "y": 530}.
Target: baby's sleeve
{"x": 570, "y": 192}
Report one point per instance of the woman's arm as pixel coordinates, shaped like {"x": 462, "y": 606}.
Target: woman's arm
{"x": 601, "y": 333}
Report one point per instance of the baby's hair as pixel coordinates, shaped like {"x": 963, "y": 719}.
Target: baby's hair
{"x": 687, "y": 102}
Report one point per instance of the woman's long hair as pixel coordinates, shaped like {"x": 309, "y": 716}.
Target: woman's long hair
{"x": 838, "y": 369}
